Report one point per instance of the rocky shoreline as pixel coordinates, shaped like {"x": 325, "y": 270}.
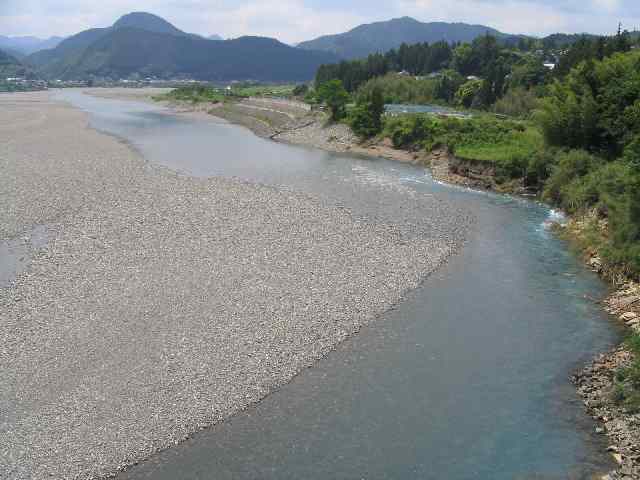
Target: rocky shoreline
{"x": 596, "y": 385}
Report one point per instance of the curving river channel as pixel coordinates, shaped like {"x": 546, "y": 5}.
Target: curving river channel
{"x": 468, "y": 378}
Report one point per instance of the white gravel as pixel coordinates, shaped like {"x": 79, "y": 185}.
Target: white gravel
{"x": 163, "y": 303}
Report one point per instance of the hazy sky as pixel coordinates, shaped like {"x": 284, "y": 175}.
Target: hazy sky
{"x": 296, "y": 20}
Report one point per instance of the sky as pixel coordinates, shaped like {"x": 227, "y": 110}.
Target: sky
{"x": 293, "y": 21}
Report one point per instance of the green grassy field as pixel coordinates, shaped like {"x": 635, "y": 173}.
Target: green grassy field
{"x": 502, "y": 148}
{"x": 209, "y": 94}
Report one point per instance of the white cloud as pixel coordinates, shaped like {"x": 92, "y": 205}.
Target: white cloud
{"x": 607, "y": 5}
{"x": 296, "y": 20}
{"x": 510, "y": 16}
{"x": 288, "y": 20}
{"x": 531, "y": 17}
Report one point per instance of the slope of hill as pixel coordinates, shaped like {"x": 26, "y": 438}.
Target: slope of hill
{"x": 10, "y": 66}
{"x": 148, "y": 22}
{"x": 28, "y": 45}
{"x": 129, "y": 51}
{"x": 383, "y": 36}
{"x": 147, "y": 45}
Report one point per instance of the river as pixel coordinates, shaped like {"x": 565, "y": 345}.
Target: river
{"x": 468, "y": 378}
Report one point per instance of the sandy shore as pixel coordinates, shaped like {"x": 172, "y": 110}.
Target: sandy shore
{"x": 161, "y": 303}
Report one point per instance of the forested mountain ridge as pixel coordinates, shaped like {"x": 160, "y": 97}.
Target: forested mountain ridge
{"x": 380, "y": 37}
{"x": 10, "y": 66}
{"x": 26, "y": 45}
{"x": 147, "y": 45}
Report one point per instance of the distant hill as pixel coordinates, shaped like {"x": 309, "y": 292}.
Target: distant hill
{"x": 10, "y": 66}
{"x": 146, "y": 45}
{"x": 27, "y": 45}
{"x": 215, "y": 37}
{"x": 383, "y": 36}
{"x": 150, "y": 23}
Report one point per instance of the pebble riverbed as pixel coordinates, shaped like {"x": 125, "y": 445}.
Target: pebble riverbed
{"x": 161, "y": 303}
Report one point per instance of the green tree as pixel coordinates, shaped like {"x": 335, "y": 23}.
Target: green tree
{"x": 366, "y": 119}
{"x": 300, "y": 90}
{"x": 335, "y": 96}
{"x": 467, "y": 92}
{"x": 463, "y": 60}
{"x": 447, "y": 84}
{"x": 596, "y": 107}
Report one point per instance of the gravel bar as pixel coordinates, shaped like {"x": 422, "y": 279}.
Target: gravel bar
{"x": 161, "y": 303}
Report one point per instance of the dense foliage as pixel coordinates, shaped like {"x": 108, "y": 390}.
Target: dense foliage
{"x": 335, "y": 96}
{"x": 479, "y": 74}
{"x": 594, "y": 116}
{"x": 596, "y": 107}
{"x": 195, "y": 94}
{"x": 366, "y": 117}
{"x": 510, "y": 145}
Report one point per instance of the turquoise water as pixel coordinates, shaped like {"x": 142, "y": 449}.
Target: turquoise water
{"x": 468, "y": 378}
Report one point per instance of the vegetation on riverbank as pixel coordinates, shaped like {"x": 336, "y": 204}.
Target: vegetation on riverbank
{"x": 573, "y": 134}
{"x": 194, "y": 94}
{"x": 202, "y": 93}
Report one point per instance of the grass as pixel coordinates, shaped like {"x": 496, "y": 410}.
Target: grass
{"x": 504, "y": 148}
{"x": 194, "y": 94}
{"x": 509, "y": 145}
{"x": 263, "y": 91}
{"x": 207, "y": 94}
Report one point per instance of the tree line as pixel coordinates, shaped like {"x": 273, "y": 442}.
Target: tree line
{"x": 480, "y": 73}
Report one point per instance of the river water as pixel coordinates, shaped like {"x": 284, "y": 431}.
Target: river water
{"x": 468, "y": 378}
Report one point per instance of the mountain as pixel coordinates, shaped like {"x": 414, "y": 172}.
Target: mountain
{"x": 56, "y": 61}
{"x": 148, "y": 22}
{"x": 126, "y": 52}
{"x": 146, "y": 45}
{"x": 383, "y": 36}
{"x": 14, "y": 53}
{"x": 10, "y": 66}
{"x": 28, "y": 45}
{"x": 215, "y": 37}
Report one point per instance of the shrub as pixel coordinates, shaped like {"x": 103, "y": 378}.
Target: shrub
{"x": 366, "y": 118}
{"x": 568, "y": 167}
{"x": 517, "y": 102}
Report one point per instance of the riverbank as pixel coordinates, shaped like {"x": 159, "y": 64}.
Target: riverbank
{"x": 597, "y": 384}
{"x": 162, "y": 303}
{"x": 338, "y": 138}
{"x": 601, "y": 383}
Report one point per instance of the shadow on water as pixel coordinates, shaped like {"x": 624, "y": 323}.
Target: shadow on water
{"x": 468, "y": 378}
